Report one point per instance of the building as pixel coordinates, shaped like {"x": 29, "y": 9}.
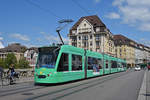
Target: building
{"x": 31, "y": 55}
{"x": 91, "y": 33}
{"x": 146, "y": 54}
{"x": 125, "y": 49}
{"x": 139, "y": 54}
{"x": 15, "y": 48}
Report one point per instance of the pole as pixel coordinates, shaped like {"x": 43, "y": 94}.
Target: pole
{"x": 58, "y": 31}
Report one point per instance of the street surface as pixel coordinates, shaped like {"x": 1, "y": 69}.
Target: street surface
{"x": 119, "y": 86}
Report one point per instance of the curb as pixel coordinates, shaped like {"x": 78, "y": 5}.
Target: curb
{"x": 142, "y": 92}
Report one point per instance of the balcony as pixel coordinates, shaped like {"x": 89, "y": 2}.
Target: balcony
{"x": 74, "y": 40}
{"x": 97, "y": 39}
{"x": 98, "y": 47}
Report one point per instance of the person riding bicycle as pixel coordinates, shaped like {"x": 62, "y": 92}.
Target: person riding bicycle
{"x": 11, "y": 70}
{"x": 12, "y": 73}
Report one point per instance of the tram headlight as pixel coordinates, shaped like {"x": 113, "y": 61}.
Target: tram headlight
{"x": 41, "y": 73}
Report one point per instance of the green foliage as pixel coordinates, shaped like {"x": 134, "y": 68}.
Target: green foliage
{"x": 10, "y": 59}
{"x": 23, "y": 63}
{"x": 2, "y": 63}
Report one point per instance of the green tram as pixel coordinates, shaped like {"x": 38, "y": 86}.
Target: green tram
{"x": 68, "y": 63}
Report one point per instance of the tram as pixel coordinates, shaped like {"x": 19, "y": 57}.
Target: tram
{"x": 68, "y": 63}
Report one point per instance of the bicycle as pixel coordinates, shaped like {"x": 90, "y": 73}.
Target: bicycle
{"x": 13, "y": 78}
{"x": 7, "y": 79}
{"x": 4, "y": 79}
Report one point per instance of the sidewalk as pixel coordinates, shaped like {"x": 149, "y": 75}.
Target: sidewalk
{"x": 148, "y": 86}
{"x": 144, "y": 93}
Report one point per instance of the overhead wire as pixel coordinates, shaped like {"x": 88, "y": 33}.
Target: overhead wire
{"x": 43, "y": 9}
{"x": 81, "y": 7}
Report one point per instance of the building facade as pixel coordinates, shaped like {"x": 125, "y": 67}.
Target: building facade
{"x": 15, "y": 48}
{"x": 31, "y": 55}
{"x": 125, "y": 49}
{"x": 90, "y": 33}
{"x": 139, "y": 54}
{"x": 146, "y": 54}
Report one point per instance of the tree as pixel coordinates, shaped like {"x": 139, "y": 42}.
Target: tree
{"x": 23, "y": 63}
{"x": 10, "y": 59}
{"x": 2, "y": 63}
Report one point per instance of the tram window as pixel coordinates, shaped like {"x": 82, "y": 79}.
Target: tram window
{"x": 113, "y": 64}
{"x": 100, "y": 63}
{"x": 94, "y": 61}
{"x": 76, "y": 62}
{"x": 90, "y": 63}
{"x": 106, "y": 64}
{"x": 63, "y": 63}
{"x": 123, "y": 64}
{"x": 118, "y": 65}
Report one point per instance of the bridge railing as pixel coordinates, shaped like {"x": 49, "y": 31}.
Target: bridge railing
{"x": 22, "y": 72}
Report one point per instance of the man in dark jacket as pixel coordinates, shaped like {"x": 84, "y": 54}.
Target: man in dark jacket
{"x": 11, "y": 70}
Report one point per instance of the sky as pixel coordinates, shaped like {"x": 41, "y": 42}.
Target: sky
{"x": 34, "y": 22}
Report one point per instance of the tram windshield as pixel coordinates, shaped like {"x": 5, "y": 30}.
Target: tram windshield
{"x": 47, "y": 57}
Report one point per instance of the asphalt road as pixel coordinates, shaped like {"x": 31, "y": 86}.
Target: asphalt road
{"x": 119, "y": 86}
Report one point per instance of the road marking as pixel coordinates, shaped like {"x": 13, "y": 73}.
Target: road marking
{"x": 142, "y": 93}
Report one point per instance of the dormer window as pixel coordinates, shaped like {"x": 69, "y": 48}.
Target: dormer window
{"x": 98, "y": 29}
{"x": 84, "y": 25}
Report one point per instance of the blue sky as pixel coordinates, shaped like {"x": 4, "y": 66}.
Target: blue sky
{"x": 25, "y": 23}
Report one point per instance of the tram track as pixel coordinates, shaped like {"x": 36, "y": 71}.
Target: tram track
{"x": 8, "y": 89}
{"x": 86, "y": 84}
{"x": 20, "y": 90}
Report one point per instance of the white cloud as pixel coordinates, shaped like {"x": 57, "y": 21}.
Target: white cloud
{"x": 42, "y": 32}
{"x": 145, "y": 27}
{"x": 144, "y": 41}
{"x": 20, "y": 37}
{"x": 118, "y": 2}
{"x": 1, "y": 38}
{"x": 113, "y": 15}
{"x": 56, "y": 39}
{"x": 52, "y": 38}
{"x": 135, "y": 13}
{"x": 138, "y": 2}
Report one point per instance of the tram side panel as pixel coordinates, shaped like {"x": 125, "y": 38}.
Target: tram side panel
{"x": 94, "y": 64}
{"x": 74, "y": 65}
